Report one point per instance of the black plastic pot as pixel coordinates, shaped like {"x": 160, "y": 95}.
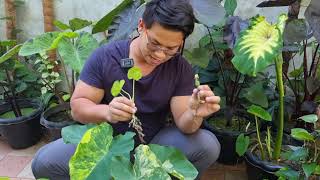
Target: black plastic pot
{"x": 55, "y": 118}
{"x": 24, "y": 131}
{"x": 228, "y": 154}
{"x": 258, "y": 169}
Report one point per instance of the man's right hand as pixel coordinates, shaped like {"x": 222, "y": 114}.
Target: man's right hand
{"x": 120, "y": 109}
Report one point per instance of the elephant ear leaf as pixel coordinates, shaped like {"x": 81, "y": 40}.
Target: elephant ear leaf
{"x": 259, "y": 45}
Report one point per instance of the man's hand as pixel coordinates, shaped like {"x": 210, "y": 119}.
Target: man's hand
{"x": 120, "y": 109}
{"x": 203, "y": 102}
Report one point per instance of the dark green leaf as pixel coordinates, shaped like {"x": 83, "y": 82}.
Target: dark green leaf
{"x": 288, "y": 173}
{"x": 21, "y": 86}
{"x": 317, "y": 170}
{"x": 296, "y": 155}
{"x": 295, "y": 31}
{"x": 77, "y": 23}
{"x": 308, "y": 169}
{"x": 122, "y": 168}
{"x": 256, "y": 95}
{"x": 199, "y": 57}
{"x": 106, "y": 21}
{"x": 259, "y": 112}
{"x": 242, "y": 144}
{"x": 230, "y": 6}
{"x": 301, "y": 134}
{"x": 208, "y": 12}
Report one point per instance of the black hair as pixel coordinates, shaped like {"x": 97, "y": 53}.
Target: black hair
{"x": 175, "y": 15}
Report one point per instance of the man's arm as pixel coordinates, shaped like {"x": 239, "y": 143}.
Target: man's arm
{"x": 85, "y": 106}
{"x": 188, "y": 114}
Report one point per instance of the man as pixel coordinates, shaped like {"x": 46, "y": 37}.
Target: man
{"x": 167, "y": 85}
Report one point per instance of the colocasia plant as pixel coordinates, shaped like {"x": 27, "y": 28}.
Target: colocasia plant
{"x": 135, "y": 74}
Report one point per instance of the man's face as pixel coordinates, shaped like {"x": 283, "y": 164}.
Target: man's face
{"x": 159, "y": 44}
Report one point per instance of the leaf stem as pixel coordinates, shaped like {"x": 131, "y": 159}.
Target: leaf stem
{"x": 259, "y": 140}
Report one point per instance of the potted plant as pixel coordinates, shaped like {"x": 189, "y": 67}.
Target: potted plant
{"x": 19, "y": 117}
{"x": 258, "y": 47}
{"x": 73, "y": 49}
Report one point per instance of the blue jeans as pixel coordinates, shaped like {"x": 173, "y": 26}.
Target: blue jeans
{"x": 201, "y": 148}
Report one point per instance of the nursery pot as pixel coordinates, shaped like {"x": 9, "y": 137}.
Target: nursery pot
{"x": 258, "y": 169}
{"x": 24, "y": 131}
{"x": 55, "y": 118}
{"x": 227, "y": 139}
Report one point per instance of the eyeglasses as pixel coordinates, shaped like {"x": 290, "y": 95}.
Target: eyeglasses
{"x": 154, "y": 47}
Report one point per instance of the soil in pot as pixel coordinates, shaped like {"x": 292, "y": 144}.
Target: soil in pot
{"x": 227, "y": 136}
{"x": 24, "y": 131}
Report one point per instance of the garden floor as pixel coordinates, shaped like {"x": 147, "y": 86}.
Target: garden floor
{"x": 16, "y": 164}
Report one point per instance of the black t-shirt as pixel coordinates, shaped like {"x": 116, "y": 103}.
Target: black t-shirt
{"x": 153, "y": 92}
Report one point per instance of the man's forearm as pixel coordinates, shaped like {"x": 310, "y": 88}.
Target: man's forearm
{"x": 85, "y": 111}
{"x": 189, "y": 123}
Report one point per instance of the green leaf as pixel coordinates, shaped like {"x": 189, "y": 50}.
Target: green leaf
{"x": 301, "y": 134}
{"x": 116, "y": 87}
{"x": 105, "y": 22}
{"x": 135, "y": 73}
{"x": 122, "y": 168}
{"x": 39, "y": 44}
{"x": 147, "y": 166}
{"x": 92, "y": 158}
{"x": 230, "y": 6}
{"x": 8, "y": 43}
{"x": 299, "y": 154}
{"x": 174, "y": 162}
{"x": 288, "y": 173}
{"x": 317, "y": 170}
{"x": 308, "y": 169}
{"x": 75, "y": 55}
{"x": 56, "y": 42}
{"x": 208, "y": 12}
{"x": 296, "y": 72}
{"x": 73, "y": 134}
{"x": 258, "y": 46}
{"x": 199, "y": 57}
{"x": 259, "y": 112}
{"x": 242, "y": 144}
{"x": 66, "y": 97}
{"x": 311, "y": 118}
{"x": 296, "y": 30}
{"x": 60, "y": 25}
{"x": 256, "y": 95}
{"x": 77, "y": 24}
{"x": 10, "y": 53}
{"x": 21, "y": 86}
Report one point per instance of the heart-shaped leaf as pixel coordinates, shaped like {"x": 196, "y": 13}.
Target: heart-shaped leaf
{"x": 259, "y": 112}
{"x": 242, "y": 144}
{"x": 256, "y": 95}
{"x": 135, "y": 73}
{"x": 301, "y": 134}
{"x": 116, "y": 87}
{"x": 258, "y": 46}
{"x": 308, "y": 169}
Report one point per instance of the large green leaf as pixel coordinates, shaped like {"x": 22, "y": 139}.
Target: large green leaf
{"x": 126, "y": 22}
{"x": 76, "y": 55}
{"x": 230, "y": 6}
{"x": 106, "y": 21}
{"x": 259, "y": 112}
{"x": 198, "y": 56}
{"x": 92, "y": 159}
{"x": 208, "y": 12}
{"x": 308, "y": 169}
{"x": 174, "y": 162}
{"x": 73, "y": 134}
{"x": 39, "y": 44}
{"x": 122, "y": 168}
{"x": 258, "y": 46}
{"x": 301, "y": 134}
{"x": 242, "y": 144}
{"x": 77, "y": 24}
{"x": 256, "y": 95}
{"x": 10, "y": 53}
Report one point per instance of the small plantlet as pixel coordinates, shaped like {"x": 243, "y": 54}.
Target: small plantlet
{"x": 135, "y": 74}
{"x": 199, "y": 99}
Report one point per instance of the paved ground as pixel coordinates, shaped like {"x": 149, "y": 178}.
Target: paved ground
{"x": 15, "y": 164}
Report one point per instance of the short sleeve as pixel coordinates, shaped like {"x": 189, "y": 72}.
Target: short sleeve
{"x": 185, "y": 78}
{"x": 92, "y": 72}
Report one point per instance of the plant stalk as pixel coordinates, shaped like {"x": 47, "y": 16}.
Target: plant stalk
{"x": 263, "y": 157}
{"x": 278, "y": 144}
